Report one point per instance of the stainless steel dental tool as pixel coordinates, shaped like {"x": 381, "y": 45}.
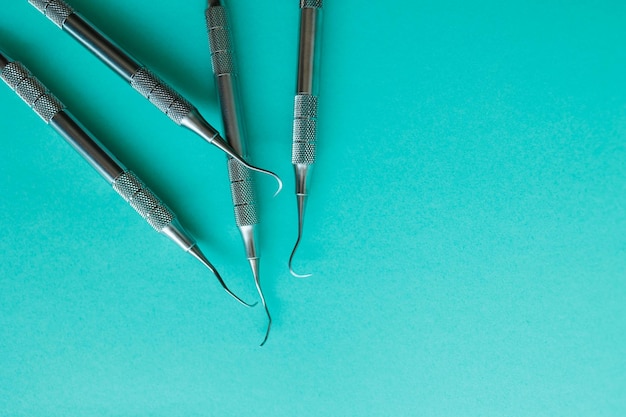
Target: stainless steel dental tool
{"x": 305, "y": 108}
{"x": 241, "y": 184}
{"x": 124, "y": 182}
{"x": 164, "y": 97}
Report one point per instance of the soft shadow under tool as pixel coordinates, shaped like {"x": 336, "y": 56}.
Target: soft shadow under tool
{"x": 241, "y": 183}
{"x": 305, "y": 108}
{"x": 123, "y": 181}
{"x": 160, "y": 94}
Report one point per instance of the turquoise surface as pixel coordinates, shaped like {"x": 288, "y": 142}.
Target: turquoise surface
{"x": 466, "y": 227}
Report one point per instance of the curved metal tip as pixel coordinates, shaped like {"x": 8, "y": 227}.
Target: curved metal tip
{"x": 195, "y": 251}
{"x": 254, "y": 264}
{"x": 280, "y": 186}
{"x": 269, "y": 325}
{"x": 228, "y": 150}
{"x": 301, "y": 202}
{"x": 262, "y": 171}
{"x": 293, "y": 252}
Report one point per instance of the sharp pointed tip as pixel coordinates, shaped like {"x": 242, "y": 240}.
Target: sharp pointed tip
{"x": 269, "y": 325}
{"x": 254, "y": 264}
{"x": 293, "y": 252}
{"x": 197, "y": 253}
{"x": 280, "y": 185}
{"x": 257, "y": 169}
{"x": 267, "y": 331}
{"x": 296, "y": 275}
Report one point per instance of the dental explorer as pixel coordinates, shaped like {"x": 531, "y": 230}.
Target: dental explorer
{"x": 305, "y": 108}
{"x": 241, "y": 184}
{"x": 123, "y": 181}
{"x": 161, "y": 95}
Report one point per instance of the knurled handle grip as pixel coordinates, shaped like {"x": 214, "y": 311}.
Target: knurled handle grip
{"x": 55, "y": 10}
{"x": 31, "y": 90}
{"x": 161, "y": 95}
{"x": 242, "y": 190}
{"x": 143, "y": 200}
{"x": 312, "y": 4}
{"x": 304, "y": 129}
{"x": 220, "y": 41}
{"x": 145, "y": 82}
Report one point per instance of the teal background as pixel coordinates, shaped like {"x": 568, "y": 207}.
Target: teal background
{"x": 466, "y": 227}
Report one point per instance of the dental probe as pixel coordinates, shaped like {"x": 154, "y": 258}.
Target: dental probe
{"x": 241, "y": 185}
{"x": 124, "y": 182}
{"x": 164, "y": 97}
{"x": 305, "y": 108}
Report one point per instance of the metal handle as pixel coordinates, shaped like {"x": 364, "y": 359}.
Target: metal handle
{"x": 145, "y": 82}
{"x": 224, "y": 69}
{"x": 242, "y": 190}
{"x": 219, "y": 41}
{"x": 55, "y": 10}
{"x": 161, "y": 95}
{"x": 31, "y": 90}
{"x": 312, "y": 4}
{"x": 143, "y": 200}
{"x": 304, "y": 129}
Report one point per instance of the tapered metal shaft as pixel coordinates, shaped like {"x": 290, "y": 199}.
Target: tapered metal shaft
{"x": 305, "y": 108}
{"x": 164, "y": 97}
{"x": 241, "y": 183}
{"x": 123, "y": 181}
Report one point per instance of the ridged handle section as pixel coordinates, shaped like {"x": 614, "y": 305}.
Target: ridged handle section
{"x": 55, "y": 10}
{"x": 304, "y": 129}
{"x": 31, "y": 90}
{"x": 311, "y": 4}
{"x": 161, "y": 95}
{"x": 219, "y": 41}
{"x": 242, "y": 189}
{"x": 143, "y": 200}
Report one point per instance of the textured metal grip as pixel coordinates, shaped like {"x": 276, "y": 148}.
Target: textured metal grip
{"x": 161, "y": 95}
{"x": 304, "y": 129}
{"x": 55, "y": 10}
{"x": 242, "y": 190}
{"x": 148, "y": 205}
{"x": 313, "y": 4}
{"x": 219, "y": 41}
{"x": 33, "y": 92}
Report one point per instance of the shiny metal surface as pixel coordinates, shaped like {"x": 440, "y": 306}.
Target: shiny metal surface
{"x": 57, "y": 11}
{"x": 124, "y": 182}
{"x": 149, "y": 86}
{"x": 303, "y": 151}
{"x": 309, "y": 50}
{"x": 301, "y": 171}
{"x": 52, "y": 111}
{"x": 29, "y": 89}
{"x": 304, "y": 130}
{"x": 87, "y": 146}
{"x": 161, "y": 95}
{"x": 241, "y": 183}
{"x": 143, "y": 200}
{"x": 196, "y": 253}
{"x": 101, "y": 46}
{"x": 242, "y": 193}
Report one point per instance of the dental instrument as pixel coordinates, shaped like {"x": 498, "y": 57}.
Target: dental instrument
{"x": 123, "y": 181}
{"x": 241, "y": 184}
{"x": 161, "y": 95}
{"x": 305, "y": 108}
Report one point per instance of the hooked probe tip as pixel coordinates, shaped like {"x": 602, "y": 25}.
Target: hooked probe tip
{"x": 293, "y": 252}
{"x": 226, "y": 148}
{"x": 262, "y": 171}
{"x": 254, "y": 264}
{"x": 195, "y": 251}
{"x": 301, "y": 202}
